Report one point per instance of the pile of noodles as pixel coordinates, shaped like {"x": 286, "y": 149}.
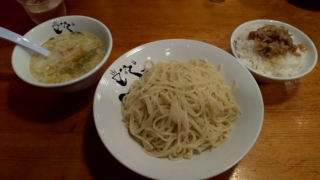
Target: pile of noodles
{"x": 177, "y": 109}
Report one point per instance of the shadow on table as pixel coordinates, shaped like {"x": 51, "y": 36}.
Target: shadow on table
{"x": 43, "y": 106}
{"x": 24, "y": 25}
{"x": 276, "y": 93}
{"x": 304, "y": 4}
{"x": 313, "y": 5}
{"x": 224, "y": 176}
{"x": 100, "y": 162}
{"x": 104, "y": 166}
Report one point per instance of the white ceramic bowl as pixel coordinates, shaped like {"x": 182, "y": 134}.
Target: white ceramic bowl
{"x": 298, "y": 37}
{"x": 116, "y": 81}
{"x": 44, "y": 31}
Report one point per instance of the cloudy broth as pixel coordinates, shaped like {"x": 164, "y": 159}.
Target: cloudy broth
{"x": 72, "y": 55}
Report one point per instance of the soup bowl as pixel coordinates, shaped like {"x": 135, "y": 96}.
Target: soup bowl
{"x": 21, "y": 56}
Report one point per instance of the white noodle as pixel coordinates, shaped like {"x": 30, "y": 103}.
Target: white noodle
{"x": 179, "y": 109}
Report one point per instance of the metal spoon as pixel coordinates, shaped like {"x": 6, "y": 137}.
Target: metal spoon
{"x": 18, "y": 39}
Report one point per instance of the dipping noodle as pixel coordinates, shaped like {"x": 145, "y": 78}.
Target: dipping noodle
{"x": 178, "y": 109}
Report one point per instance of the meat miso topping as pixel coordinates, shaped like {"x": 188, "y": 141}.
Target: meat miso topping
{"x": 271, "y": 41}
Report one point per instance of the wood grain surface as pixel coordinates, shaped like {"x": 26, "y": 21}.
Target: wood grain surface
{"x": 52, "y": 136}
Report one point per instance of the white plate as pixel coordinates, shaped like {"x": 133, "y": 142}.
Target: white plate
{"x": 298, "y": 38}
{"x": 115, "y": 136}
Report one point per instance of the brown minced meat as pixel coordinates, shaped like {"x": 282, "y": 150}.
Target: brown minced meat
{"x": 271, "y": 41}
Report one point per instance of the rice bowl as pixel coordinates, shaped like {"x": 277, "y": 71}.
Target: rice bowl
{"x": 288, "y": 67}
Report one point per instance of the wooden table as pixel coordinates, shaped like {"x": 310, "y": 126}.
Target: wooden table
{"x": 52, "y": 136}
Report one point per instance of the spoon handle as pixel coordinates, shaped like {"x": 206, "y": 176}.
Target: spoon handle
{"x": 16, "y": 38}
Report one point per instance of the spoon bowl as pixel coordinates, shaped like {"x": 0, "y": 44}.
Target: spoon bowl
{"x": 20, "y": 40}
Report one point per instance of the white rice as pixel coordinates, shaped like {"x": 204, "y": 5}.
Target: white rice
{"x": 287, "y": 66}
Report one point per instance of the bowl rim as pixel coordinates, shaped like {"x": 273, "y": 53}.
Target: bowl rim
{"x": 72, "y": 81}
{"x": 233, "y": 37}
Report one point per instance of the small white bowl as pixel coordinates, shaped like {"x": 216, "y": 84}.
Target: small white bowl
{"x": 298, "y": 37}
{"x": 42, "y": 32}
